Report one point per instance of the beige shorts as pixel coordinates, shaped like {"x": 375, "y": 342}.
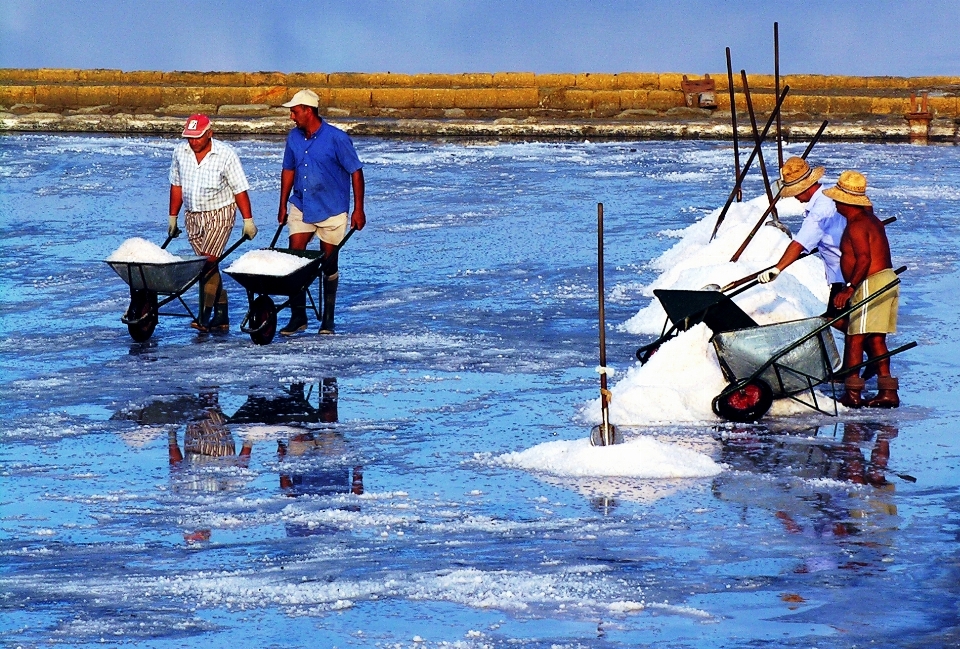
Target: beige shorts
{"x": 879, "y": 316}
{"x": 331, "y": 230}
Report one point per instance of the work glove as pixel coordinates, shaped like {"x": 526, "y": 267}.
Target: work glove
{"x": 768, "y": 276}
{"x": 249, "y": 228}
{"x": 172, "y": 229}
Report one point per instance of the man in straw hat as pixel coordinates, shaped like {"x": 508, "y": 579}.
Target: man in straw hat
{"x": 822, "y": 227}
{"x": 867, "y": 269}
{"x": 207, "y": 179}
{"x": 320, "y": 166}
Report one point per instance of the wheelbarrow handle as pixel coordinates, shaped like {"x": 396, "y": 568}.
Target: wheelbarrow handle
{"x": 323, "y": 265}
{"x": 276, "y": 236}
{"x": 176, "y": 233}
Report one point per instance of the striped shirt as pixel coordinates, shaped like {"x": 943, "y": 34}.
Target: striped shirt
{"x": 214, "y": 182}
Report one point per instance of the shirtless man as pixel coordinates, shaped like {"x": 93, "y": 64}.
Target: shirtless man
{"x": 867, "y": 269}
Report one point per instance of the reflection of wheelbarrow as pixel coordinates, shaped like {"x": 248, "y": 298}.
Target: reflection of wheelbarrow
{"x": 261, "y": 319}
{"x": 148, "y": 281}
{"x": 763, "y": 363}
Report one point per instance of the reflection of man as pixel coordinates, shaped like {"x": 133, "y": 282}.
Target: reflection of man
{"x": 206, "y": 177}
{"x": 320, "y": 166}
{"x": 207, "y": 437}
{"x": 867, "y": 269}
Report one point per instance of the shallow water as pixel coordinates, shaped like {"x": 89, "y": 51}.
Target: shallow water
{"x": 371, "y": 510}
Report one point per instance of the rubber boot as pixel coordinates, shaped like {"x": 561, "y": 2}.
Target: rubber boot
{"x": 887, "y": 396}
{"x": 202, "y": 323}
{"x": 221, "y": 318}
{"x": 298, "y": 315}
{"x": 853, "y": 386}
{"x": 329, "y": 302}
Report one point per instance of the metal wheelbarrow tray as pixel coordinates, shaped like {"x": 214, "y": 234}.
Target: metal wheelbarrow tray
{"x": 783, "y": 360}
{"x": 148, "y": 281}
{"x": 261, "y": 319}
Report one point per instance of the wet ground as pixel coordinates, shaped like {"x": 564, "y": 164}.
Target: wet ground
{"x": 347, "y": 492}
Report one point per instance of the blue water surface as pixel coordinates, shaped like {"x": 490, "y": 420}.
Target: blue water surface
{"x": 368, "y": 513}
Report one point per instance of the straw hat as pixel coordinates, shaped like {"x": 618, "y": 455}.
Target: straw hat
{"x": 851, "y": 189}
{"x": 796, "y": 176}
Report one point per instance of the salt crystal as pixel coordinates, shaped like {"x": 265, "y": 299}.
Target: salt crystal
{"x": 137, "y": 250}
{"x": 268, "y": 262}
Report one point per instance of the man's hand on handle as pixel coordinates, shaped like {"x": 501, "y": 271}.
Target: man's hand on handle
{"x": 172, "y": 229}
{"x": 249, "y": 228}
{"x": 769, "y": 275}
{"x": 358, "y": 219}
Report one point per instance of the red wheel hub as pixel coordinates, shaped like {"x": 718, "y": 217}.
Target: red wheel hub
{"x": 746, "y": 397}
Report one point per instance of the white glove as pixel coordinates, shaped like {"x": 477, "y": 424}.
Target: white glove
{"x": 768, "y": 276}
{"x": 249, "y": 228}
{"x": 172, "y": 229}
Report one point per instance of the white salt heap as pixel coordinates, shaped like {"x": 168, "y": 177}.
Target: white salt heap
{"x": 268, "y": 262}
{"x": 137, "y": 250}
{"x": 640, "y": 457}
{"x": 679, "y": 382}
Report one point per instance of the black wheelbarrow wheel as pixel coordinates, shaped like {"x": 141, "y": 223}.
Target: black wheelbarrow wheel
{"x": 749, "y": 402}
{"x": 142, "y": 314}
{"x": 263, "y": 320}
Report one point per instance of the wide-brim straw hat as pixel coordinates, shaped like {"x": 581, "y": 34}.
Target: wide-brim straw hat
{"x": 851, "y": 189}
{"x": 796, "y": 176}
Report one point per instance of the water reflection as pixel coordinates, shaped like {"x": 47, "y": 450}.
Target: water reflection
{"x": 830, "y": 484}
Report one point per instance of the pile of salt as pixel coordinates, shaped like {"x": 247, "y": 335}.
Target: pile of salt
{"x": 141, "y": 251}
{"x": 268, "y": 262}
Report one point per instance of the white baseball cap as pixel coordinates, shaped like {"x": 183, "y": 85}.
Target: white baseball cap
{"x": 304, "y": 97}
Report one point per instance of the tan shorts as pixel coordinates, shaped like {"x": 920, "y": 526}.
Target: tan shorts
{"x": 331, "y": 230}
{"x": 877, "y": 316}
{"x": 208, "y": 231}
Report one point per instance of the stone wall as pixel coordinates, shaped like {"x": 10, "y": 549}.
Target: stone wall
{"x": 628, "y": 96}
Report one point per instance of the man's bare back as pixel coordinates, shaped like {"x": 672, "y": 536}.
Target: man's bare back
{"x": 864, "y": 248}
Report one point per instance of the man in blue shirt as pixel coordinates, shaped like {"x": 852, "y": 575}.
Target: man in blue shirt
{"x": 320, "y": 166}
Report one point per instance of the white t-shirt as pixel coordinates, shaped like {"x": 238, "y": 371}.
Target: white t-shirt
{"x": 822, "y": 228}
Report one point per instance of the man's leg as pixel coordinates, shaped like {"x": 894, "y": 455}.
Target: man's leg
{"x": 298, "y": 303}
{"x": 853, "y": 384}
{"x": 887, "y": 397}
{"x": 331, "y": 277}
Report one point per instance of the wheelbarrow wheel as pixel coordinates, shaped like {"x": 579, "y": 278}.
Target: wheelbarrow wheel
{"x": 749, "y": 402}
{"x": 143, "y": 315}
{"x": 263, "y": 320}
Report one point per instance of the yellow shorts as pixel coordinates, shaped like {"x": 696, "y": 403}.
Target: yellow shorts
{"x": 331, "y": 230}
{"x": 878, "y": 316}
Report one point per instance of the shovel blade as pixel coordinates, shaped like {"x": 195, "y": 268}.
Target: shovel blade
{"x": 597, "y": 438}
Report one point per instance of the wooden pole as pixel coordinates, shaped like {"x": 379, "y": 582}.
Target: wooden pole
{"x": 759, "y": 142}
{"x": 606, "y": 434}
{"x": 733, "y": 117}
{"x": 776, "y": 77}
{"x": 746, "y": 165}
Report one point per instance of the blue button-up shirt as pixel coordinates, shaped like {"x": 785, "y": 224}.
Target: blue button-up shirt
{"x": 322, "y": 165}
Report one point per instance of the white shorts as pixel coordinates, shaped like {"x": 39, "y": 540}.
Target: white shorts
{"x": 331, "y": 230}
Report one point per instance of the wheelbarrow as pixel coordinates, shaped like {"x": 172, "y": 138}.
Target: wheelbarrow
{"x": 763, "y": 363}
{"x": 149, "y": 281}
{"x": 261, "y": 319}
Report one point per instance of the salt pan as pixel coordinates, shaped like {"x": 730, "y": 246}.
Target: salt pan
{"x": 268, "y": 262}
{"x": 137, "y": 250}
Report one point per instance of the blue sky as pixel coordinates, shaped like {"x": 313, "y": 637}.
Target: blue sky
{"x": 867, "y": 37}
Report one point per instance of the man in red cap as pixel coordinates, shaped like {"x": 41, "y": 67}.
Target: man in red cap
{"x": 320, "y": 166}
{"x": 206, "y": 177}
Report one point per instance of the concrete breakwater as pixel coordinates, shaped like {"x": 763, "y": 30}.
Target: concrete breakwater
{"x": 514, "y": 104}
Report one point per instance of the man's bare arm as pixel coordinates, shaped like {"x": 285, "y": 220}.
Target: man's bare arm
{"x": 359, "y": 217}
{"x": 286, "y": 186}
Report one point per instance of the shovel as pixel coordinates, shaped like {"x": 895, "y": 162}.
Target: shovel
{"x": 606, "y": 434}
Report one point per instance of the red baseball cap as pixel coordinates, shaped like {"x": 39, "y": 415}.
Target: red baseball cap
{"x": 196, "y": 126}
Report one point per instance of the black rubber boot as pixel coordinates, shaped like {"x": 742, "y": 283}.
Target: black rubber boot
{"x": 221, "y": 318}
{"x": 329, "y": 302}
{"x": 298, "y": 315}
{"x": 202, "y": 323}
